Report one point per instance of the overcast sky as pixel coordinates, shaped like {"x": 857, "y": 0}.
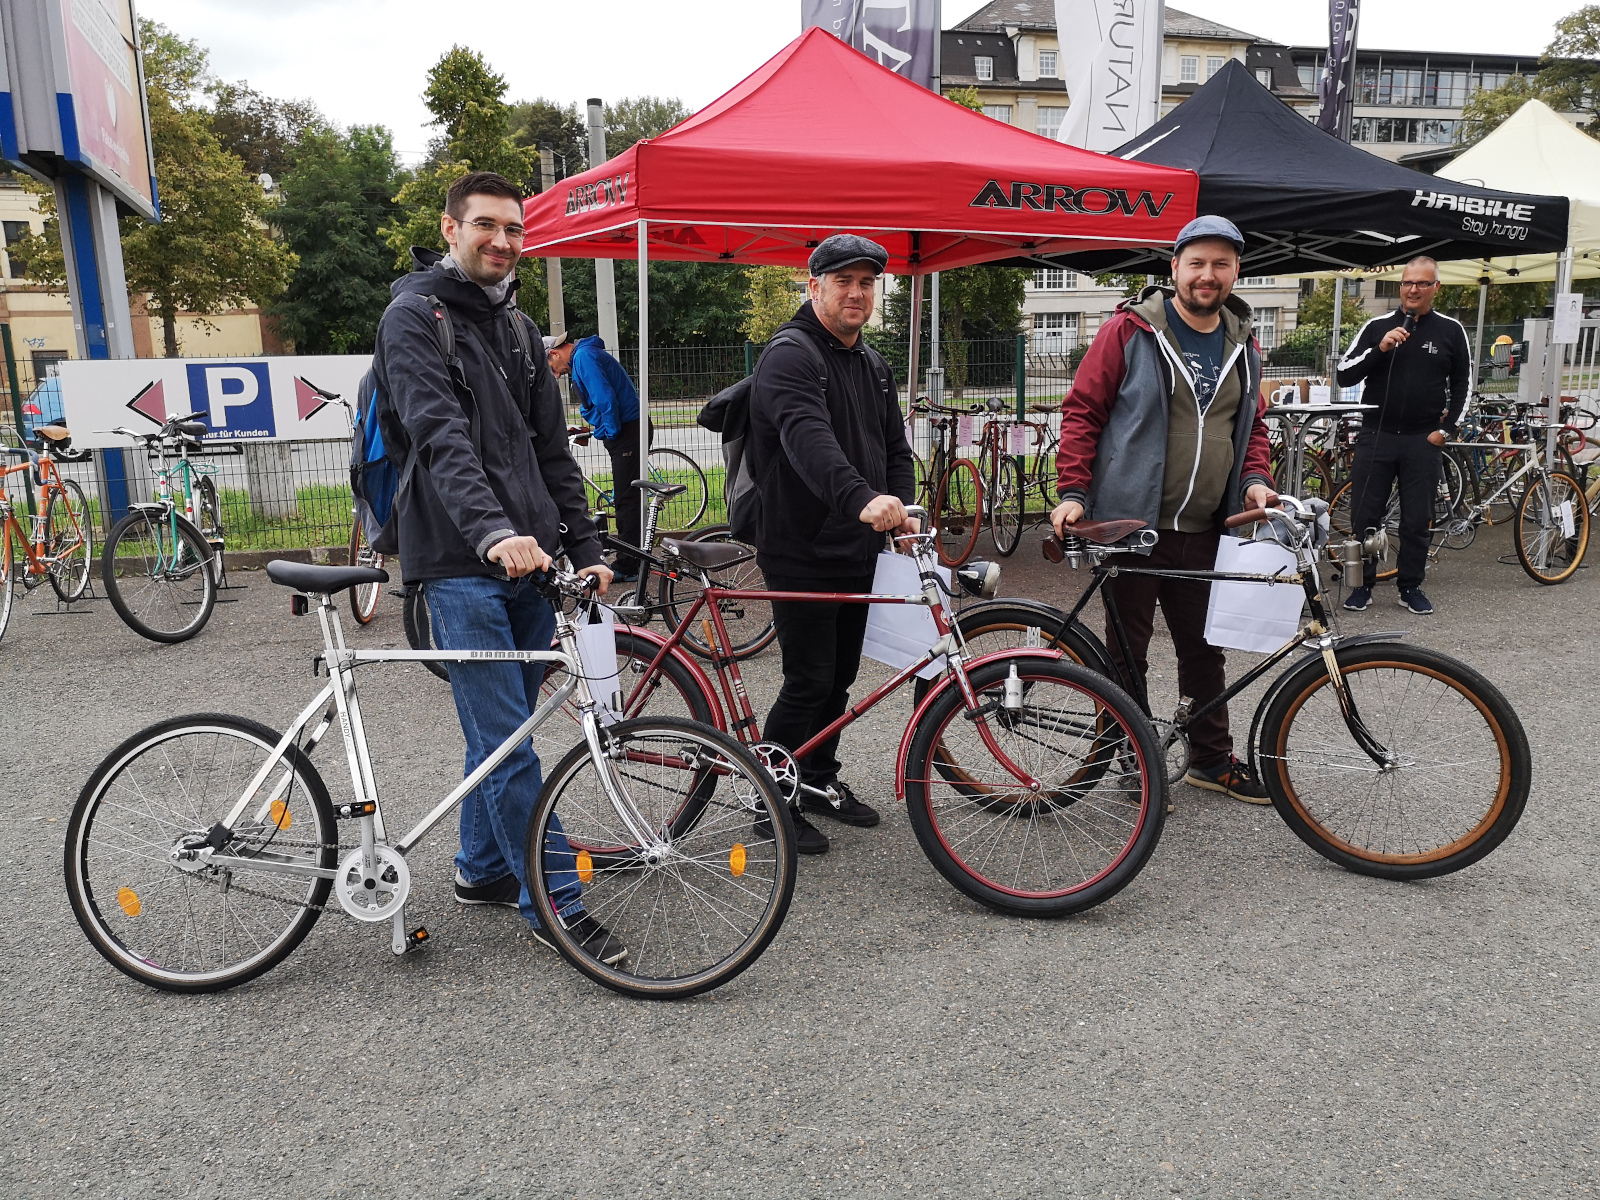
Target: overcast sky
{"x": 363, "y": 61}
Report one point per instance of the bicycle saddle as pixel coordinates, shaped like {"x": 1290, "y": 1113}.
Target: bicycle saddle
{"x": 663, "y": 490}
{"x": 310, "y": 577}
{"x": 710, "y": 556}
{"x": 56, "y": 433}
{"x": 193, "y": 429}
{"x": 1104, "y": 533}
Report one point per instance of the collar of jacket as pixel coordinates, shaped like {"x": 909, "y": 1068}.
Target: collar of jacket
{"x": 1149, "y": 311}
{"x": 432, "y": 275}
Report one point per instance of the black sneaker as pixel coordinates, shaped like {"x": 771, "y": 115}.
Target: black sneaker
{"x": 506, "y": 892}
{"x": 842, "y": 807}
{"x": 595, "y": 940}
{"x": 808, "y": 839}
{"x": 1413, "y": 600}
{"x": 1233, "y": 778}
{"x": 1359, "y": 599}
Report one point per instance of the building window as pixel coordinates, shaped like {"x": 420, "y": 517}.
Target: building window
{"x": 1260, "y": 281}
{"x": 1000, "y": 112}
{"x": 1049, "y": 279}
{"x": 1050, "y": 118}
{"x": 1423, "y": 88}
{"x": 1412, "y": 130}
{"x": 1308, "y": 77}
{"x": 15, "y": 231}
{"x": 1267, "y": 327}
{"x": 1352, "y": 288}
{"x": 1055, "y": 333}
{"x": 1188, "y": 69}
{"x": 1047, "y": 64}
{"x": 1213, "y": 65}
{"x": 983, "y": 67}
{"x": 1386, "y": 289}
{"x": 1264, "y": 76}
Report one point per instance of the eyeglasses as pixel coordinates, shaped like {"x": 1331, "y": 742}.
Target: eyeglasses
{"x": 513, "y": 232}
{"x": 1426, "y": 283}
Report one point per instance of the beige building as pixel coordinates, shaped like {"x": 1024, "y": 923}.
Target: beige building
{"x": 41, "y": 318}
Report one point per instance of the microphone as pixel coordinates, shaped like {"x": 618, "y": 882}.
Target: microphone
{"x": 1410, "y": 325}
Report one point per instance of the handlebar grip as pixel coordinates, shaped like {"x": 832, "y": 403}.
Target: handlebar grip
{"x": 1247, "y": 517}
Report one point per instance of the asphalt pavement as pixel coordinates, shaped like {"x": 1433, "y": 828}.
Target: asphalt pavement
{"x": 1245, "y": 1019}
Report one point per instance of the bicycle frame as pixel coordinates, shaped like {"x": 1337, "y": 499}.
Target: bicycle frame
{"x": 44, "y": 477}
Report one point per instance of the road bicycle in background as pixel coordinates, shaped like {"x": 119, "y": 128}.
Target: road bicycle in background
{"x": 162, "y": 563}
{"x": 203, "y": 848}
{"x": 666, "y": 467}
{"x": 948, "y": 486}
{"x": 60, "y": 545}
{"x": 1005, "y": 489}
{"x": 1388, "y": 759}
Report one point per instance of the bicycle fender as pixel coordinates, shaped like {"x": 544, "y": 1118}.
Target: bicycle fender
{"x": 700, "y": 677}
{"x": 147, "y": 506}
{"x": 1050, "y": 610}
{"x": 937, "y": 690}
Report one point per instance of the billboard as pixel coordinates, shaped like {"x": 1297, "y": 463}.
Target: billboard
{"x": 240, "y": 400}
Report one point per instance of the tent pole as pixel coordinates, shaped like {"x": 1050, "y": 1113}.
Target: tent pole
{"x": 637, "y": 535}
{"x": 916, "y": 342}
{"x": 1477, "y": 345}
{"x": 1557, "y": 356}
{"x": 1338, "y": 313}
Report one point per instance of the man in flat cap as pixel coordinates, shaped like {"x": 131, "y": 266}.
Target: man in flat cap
{"x": 828, "y": 450}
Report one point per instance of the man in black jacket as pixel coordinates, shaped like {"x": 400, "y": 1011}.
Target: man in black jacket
{"x": 835, "y": 474}
{"x": 493, "y": 491}
{"x": 1418, "y": 369}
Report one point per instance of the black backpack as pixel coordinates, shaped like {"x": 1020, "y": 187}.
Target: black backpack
{"x": 380, "y": 468}
{"x": 728, "y": 413}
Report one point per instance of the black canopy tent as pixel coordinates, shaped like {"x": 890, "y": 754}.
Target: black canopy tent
{"x": 1309, "y": 202}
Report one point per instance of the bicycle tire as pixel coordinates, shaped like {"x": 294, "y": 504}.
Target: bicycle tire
{"x": 363, "y": 597}
{"x": 684, "y": 511}
{"x": 673, "y": 690}
{"x": 1104, "y": 843}
{"x": 10, "y": 580}
{"x": 1545, "y": 551}
{"x": 68, "y": 532}
{"x": 729, "y": 796}
{"x": 748, "y": 622}
{"x": 1474, "y": 824}
{"x": 1006, "y": 508}
{"x": 419, "y": 631}
{"x": 210, "y": 513}
{"x": 957, "y": 507}
{"x": 122, "y": 895}
{"x": 190, "y": 582}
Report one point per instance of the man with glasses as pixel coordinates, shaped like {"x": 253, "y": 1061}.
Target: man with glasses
{"x": 488, "y": 494}
{"x": 1417, "y": 366}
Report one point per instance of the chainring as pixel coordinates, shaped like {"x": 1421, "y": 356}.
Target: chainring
{"x": 781, "y": 766}
{"x": 388, "y": 891}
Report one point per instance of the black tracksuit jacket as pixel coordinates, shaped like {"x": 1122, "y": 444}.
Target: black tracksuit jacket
{"x": 819, "y": 458}
{"x": 1420, "y": 385}
{"x": 490, "y": 464}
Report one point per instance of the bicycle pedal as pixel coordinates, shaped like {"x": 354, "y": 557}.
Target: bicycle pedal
{"x": 416, "y": 938}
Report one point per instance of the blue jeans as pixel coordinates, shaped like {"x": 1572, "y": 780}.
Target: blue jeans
{"x": 492, "y": 699}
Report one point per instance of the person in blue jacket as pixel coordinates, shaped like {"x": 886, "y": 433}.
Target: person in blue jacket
{"x": 608, "y": 401}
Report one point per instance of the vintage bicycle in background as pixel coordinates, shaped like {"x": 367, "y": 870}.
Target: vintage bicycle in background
{"x": 59, "y": 546}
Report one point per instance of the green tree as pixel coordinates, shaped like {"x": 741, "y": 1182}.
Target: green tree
{"x": 976, "y": 303}
{"x": 212, "y": 247}
{"x": 38, "y": 256}
{"x": 542, "y": 122}
{"x": 770, "y": 299}
{"x": 1568, "y": 80}
{"x": 263, "y": 131}
{"x": 1317, "y": 308}
{"x": 634, "y": 118}
{"x": 967, "y": 97}
{"x": 337, "y": 197}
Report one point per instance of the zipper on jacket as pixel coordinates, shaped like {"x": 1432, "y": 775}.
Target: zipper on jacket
{"x": 1199, "y": 441}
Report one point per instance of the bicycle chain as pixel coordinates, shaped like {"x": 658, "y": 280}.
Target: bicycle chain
{"x": 212, "y": 878}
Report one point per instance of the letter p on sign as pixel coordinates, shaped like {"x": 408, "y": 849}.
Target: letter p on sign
{"x": 237, "y": 398}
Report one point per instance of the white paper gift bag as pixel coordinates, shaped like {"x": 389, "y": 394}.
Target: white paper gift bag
{"x": 597, "y": 655}
{"x": 1259, "y": 617}
{"x": 899, "y": 634}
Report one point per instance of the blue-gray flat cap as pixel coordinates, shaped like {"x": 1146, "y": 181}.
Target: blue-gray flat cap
{"x": 1210, "y": 227}
{"x": 845, "y": 249}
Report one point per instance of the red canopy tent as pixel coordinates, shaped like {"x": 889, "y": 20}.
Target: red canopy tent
{"x": 823, "y": 140}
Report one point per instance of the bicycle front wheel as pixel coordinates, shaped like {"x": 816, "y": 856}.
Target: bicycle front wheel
{"x": 68, "y": 540}
{"x": 1005, "y": 507}
{"x": 1552, "y": 529}
{"x": 1078, "y": 837}
{"x": 173, "y": 921}
{"x": 698, "y": 905}
{"x": 419, "y": 631}
{"x": 158, "y": 576}
{"x": 363, "y": 597}
{"x": 683, "y": 511}
{"x": 956, "y": 507}
{"x": 1456, "y": 775}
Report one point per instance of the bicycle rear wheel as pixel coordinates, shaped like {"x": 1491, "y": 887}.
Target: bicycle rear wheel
{"x": 10, "y": 577}
{"x": 1071, "y": 843}
{"x": 957, "y": 508}
{"x": 179, "y": 924}
{"x": 1006, "y": 507}
{"x": 683, "y": 511}
{"x": 1545, "y": 548}
{"x": 363, "y": 597}
{"x": 69, "y": 540}
{"x": 158, "y": 576}
{"x": 1461, "y": 764}
{"x": 693, "y": 911}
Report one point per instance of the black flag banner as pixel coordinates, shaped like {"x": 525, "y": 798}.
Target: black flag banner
{"x": 1339, "y": 74}
{"x": 900, "y": 34}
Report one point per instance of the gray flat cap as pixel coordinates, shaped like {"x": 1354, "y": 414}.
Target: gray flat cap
{"x": 843, "y": 249}
{"x": 1209, "y": 227}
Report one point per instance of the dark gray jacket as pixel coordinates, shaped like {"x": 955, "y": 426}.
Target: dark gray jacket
{"x": 491, "y": 463}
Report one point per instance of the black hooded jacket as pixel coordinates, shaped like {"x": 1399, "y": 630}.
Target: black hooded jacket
{"x": 491, "y": 464}
{"x": 820, "y": 457}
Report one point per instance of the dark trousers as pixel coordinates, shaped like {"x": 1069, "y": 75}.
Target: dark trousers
{"x": 629, "y": 506}
{"x": 1381, "y": 459}
{"x": 1202, "y": 668}
{"x": 821, "y": 646}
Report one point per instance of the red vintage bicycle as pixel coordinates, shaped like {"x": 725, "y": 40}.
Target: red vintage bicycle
{"x": 1033, "y": 784}
{"x": 60, "y": 546}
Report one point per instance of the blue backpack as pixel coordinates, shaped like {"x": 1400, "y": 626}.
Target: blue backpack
{"x": 380, "y": 466}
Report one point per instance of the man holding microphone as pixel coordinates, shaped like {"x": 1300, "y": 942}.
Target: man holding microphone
{"x": 1417, "y": 366}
